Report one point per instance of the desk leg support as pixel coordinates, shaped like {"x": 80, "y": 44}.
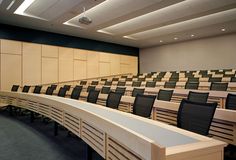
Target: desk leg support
{"x": 55, "y": 128}
{"x": 89, "y": 152}
{"x": 31, "y": 116}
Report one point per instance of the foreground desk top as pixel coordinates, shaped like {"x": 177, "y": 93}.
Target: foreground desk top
{"x": 117, "y": 134}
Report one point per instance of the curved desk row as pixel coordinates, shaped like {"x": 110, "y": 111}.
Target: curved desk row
{"x": 223, "y": 126}
{"x": 118, "y": 135}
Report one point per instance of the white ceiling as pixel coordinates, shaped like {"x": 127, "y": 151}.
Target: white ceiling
{"x": 139, "y": 23}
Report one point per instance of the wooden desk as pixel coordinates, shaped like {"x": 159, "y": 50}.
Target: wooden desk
{"x": 118, "y": 135}
{"x": 223, "y": 126}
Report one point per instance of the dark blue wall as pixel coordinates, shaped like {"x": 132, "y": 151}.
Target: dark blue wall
{"x": 42, "y": 37}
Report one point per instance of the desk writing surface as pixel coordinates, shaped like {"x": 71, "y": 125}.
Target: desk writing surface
{"x": 162, "y": 136}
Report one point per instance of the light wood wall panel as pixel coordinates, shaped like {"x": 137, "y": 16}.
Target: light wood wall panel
{"x": 80, "y": 69}
{"x": 92, "y": 64}
{"x": 124, "y": 68}
{"x": 80, "y": 54}
{"x": 11, "y": 47}
{"x": 31, "y": 63}
{"x": 49, "y": 70}
{"x": 115, "y": 64}
{"x": 49, "y": 51}
{"x": 105, "y": 68}
{"x": 10, "y": 70}
{"x": 133, "y": 64}
{"x": 104, "y": 57}
{"x": 66, "y": 64}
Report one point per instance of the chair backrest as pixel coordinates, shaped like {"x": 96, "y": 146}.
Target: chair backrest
{"x": 136, "y": 83}
{"x": 231, "y": 101}
{"x": 26, "y": 89}
{"x": 120, "y": 90}
{"x": 233, "y": 79}
{"x": 15, "y": 88}
{"x": 108, "y": 83}
{"x": 150, "y": 84}
{"x": 192, "y": 79}
{"x": 143, "y": 105}
{"x": 37, "y": 89}
{"x": 83, "y": 82}
{"x": 79, "y": 87}
{"x": 49, "y": 90}
{"x": 103, "y": 79}
{"x": 62, "y": 92}
{"x": 93, "y": 96}
{"x": 197, "y": 97}
{"x": 129, "y": 79}
{"x": 124, "y": 76}
{"x": 191, "y": 85}
{"x": 115, "y": 79}
{"x": 214, "y": 79}
{"x": 121, "y": 83}
{"x": 196, "y": 117}
{"x": 75, "y": 94}
{"x": 141, "y": 79}
{"x": 90, "y": 88}
{"x": 105, "y": 90}
{"x": 67, "y": 87}
{"x": 54, "y": 86}
{"x": 113, "y": 100}
{"x": 137, "y": 91}
{"x": 165, "y": 95}
{"x": 94, "y": 83}
{"x": 170, "y": 85}
{"x": 219, "y": 86}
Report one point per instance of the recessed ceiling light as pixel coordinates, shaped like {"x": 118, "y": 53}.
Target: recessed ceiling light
{"x": 161, "y": 41}
{"x": 1, "y": 1}
{"x": 10, "y": 5}
{"x": 175, "y": 38}
{"x": 192, "y": 35}
{"x": 223, "y": 29}
{"x": 101, "y": 31}
{"x": 128, "y": 37}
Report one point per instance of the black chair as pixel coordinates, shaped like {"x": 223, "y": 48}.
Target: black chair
{"x": 105, "y": 90}
{"x": 143, "y": 105}
{"x": 136, "y": 83}
{"x": 219, "y": 86}
{"x": 79, "y": 87}
{"x": 67, "y": 87}
{"x": 233, "y": 79}
{"x": 93, "y": 96}
{"x": 165, "y": 95}
{"x": 141, "y": 79}
{"x": 137, "y": 91}
{"x": 113, "y": 100}
{"x": 120, "y": 90}
{"x": 62, "y": 92}
{"x": 115, "y": 79}
{"x": 26, "y": 89}
{"x": 75, "y": 94}
{"x": 157, "y": 79}
{"x": 49, "y": 91}
{"x": 192, "y": 79}
{"x": 37, "y": 89}
{"x": 54, "y": 86}
{"x": 231, "y": 101}
{"x": 83, "y": 83}
{"x": 129, "y": 79}
{"x": 15, "y": 88}
{"x": 191, "y": 85}
{"x": 90, "y": 88}
{"x": 169, "y": 84}
{"x": 196, "y": 117}
{"x": 197, "y": 97}
{"x": 150, "y": 84}
{"x": 94, "y": 83}
{"x": 121, "y": 83}
{"x": 103, "y": 79}
{"x": 124, "y": 76}
{"x": 214, "y": 79}
{"x": 108, "y": 83}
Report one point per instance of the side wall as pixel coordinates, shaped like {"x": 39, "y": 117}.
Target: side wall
{"x": 209, "y": 53}
{"x": 26, "y": 63}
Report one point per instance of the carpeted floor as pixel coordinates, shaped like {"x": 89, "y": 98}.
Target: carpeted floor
{"x": 22, "y": 140}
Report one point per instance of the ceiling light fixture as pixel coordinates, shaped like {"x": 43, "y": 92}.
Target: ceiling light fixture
{"x": 175, "y": 38}
{"x": 223, "y": 29}
{"x": 21, "y": 9}
{"x": 161, "y": 41}
{"x": 192, "y": 35}
{"x": 10, "y": 5}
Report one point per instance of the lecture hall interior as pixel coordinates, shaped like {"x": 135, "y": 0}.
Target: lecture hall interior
{"x": 118, "y": 79}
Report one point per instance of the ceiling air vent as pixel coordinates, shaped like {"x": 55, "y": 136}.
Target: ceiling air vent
{"x": 84, "y": 19}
